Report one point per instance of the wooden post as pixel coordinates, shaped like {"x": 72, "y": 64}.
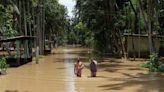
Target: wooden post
{"x": 18, "y": 52}
{"x": 37, "y": 54}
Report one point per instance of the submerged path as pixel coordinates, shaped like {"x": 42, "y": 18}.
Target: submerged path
{"x": 54, "y": 73}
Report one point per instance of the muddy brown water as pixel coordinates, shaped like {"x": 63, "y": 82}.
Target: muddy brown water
{"x": 54, "y": 73}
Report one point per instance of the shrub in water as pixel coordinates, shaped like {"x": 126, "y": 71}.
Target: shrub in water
{"x": 3, "y": 65}
{"x": 154, "y": 64}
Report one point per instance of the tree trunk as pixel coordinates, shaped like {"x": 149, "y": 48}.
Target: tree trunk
{"x": 44, "y": 24}
{"x": 150, "y": 19}
{"x": 40, "y": 27}
{"x": 134, "y": 28}
{"x": 148, "y": 23}
{"x": 20, "y": 19}
{"x": 29, "y": 17}
{"x": 25, "y": 19}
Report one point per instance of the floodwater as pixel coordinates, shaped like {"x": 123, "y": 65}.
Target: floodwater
{"x": 54, "y": 73}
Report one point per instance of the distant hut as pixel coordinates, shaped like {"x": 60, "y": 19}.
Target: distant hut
{"x": 48, "y": 47}
{"x": 138, "y": 45}
{"x": 23, "y": 50}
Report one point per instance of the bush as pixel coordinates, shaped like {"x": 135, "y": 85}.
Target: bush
{"x": 154, "y": 64}
{"x": 3, "y": 64}
{"x": 146, "y": 65}
{"x": 161, "y": 68}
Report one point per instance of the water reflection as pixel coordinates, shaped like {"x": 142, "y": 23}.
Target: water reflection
{"x": 70, "y": 79}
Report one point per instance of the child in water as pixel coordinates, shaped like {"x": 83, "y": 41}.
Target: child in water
{"x": 78, "y": 67}
{"x": 93, "y": 67}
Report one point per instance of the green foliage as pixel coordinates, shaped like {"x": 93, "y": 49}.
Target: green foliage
{"x": 3, "y": 64}
{"x": 80, "y": 34}
{"x": 6, "y": 20}
{"x": 145, "y": 65}
{"x": 55, "y": 16}
{"x": 34, "y": 2}
{"x": 154, "y": 64}
{"x": 56, "y": 20}
{"x": 108, "y": 23}
{"x": 89, "y": 39}
{"x": 94, "y": 15}
{"x": 161, "y": 16}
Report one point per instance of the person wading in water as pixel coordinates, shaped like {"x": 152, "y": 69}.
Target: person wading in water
{"x": 78, "y": 67}
{"x": 93, "y": 67}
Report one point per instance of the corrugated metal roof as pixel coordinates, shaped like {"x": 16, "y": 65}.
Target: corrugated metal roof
{"x": 17, "y": 38}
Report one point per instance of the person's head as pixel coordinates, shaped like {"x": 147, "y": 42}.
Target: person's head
{"x": 78, "y": 59}
{"x": 91, "y": 60}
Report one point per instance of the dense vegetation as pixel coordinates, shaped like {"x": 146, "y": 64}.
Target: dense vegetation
{"x": 45, "y": 19}
{"x": 98, "y": 24}
{"x": 107, "y": 20}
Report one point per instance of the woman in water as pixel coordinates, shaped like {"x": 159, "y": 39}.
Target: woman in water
{"x": 93, "y": 67}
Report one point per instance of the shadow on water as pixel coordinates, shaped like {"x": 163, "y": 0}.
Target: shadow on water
{"x": 147, "y": 82}
{"x": 11, "y": 91}
{"x": 151, "y": 81}
{"x": 14, "y": 91}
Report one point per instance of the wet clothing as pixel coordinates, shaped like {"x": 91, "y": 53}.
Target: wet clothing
{"x": 93, "y": 68}
{"x": 78, "y": 68}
